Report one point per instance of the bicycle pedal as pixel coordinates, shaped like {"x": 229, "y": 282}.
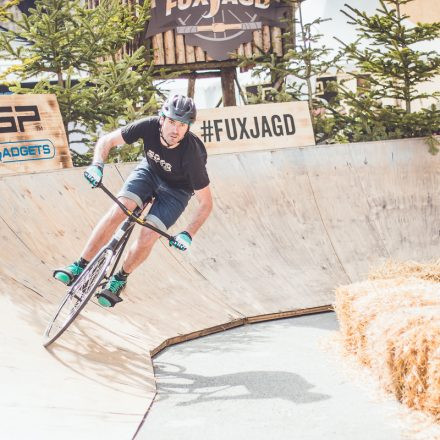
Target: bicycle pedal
{"x": 63, "y": 276}
{"x": 108, "y": 299}
{"x": 104, "y": 302}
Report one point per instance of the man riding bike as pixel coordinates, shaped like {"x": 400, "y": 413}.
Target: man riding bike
{"x": 174, "y": 168}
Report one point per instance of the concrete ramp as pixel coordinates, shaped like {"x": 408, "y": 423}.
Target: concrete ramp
{"x": 288, "y": 226}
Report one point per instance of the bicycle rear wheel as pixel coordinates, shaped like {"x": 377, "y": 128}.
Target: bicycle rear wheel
{"x": 78, "y": 296}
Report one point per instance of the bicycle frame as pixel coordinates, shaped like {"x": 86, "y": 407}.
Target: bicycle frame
{"x": 132, "y": 214}
{"x": 83, "y": 289}
{"x": 122, "y": 235}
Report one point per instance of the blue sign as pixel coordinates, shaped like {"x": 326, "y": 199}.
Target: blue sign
{"x": 20, "y": 151}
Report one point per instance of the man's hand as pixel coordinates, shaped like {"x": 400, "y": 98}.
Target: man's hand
{"x": 94, "y": 174}
{"x": 181, "y": 241}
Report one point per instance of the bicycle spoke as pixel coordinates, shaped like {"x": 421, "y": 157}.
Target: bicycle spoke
{"x": 78, "y": 295}
{"x": 87, "y": 283}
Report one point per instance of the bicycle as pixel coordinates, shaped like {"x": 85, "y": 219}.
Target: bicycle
{"x": 97, "y": 272}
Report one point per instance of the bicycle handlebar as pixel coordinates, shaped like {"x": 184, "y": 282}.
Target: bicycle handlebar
{"x": 130, "y": 214}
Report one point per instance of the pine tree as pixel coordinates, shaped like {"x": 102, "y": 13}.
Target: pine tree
{"x": 310, "y": 58}
{"x": 392, "y": 68}
{"x": 81, "y": 56}
{"x": 294, "y": 74}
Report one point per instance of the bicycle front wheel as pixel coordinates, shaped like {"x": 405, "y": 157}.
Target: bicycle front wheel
{"x": 78, "y": 296}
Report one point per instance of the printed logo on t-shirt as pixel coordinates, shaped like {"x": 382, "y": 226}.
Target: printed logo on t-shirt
{"x": 154, "y": 156}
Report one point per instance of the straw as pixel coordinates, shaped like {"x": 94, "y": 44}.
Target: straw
{"x": 391, "y": 323}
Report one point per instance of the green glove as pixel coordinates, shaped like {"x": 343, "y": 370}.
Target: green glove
{"x": 94, "y": 173}
{"x": 181, "y": 241}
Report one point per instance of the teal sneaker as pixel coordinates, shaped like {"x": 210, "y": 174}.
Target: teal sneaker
{"x": 69, "y": 274}
{"x": 110, "y": 296}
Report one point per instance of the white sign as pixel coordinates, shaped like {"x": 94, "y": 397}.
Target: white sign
{"x": 255, "y": 127}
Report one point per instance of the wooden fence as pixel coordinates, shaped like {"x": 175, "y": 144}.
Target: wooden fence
{"x": 169, "y": 48}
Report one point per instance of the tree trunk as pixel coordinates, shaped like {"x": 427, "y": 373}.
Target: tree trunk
{"x": 308, "y": 66}
{"x": 407, "y": 87}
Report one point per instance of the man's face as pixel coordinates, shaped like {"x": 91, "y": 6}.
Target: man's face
{"x": 173, "y": 131}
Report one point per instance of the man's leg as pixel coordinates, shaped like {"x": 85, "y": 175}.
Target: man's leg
{"x": 105, "y": 228}
{"x": 137, "y": 253}
{"x": 140, "y": 249}
{"x": 99, "y": 237}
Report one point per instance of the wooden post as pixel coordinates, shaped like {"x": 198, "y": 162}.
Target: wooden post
{"x": 191, "y": 86}
{"x": 159, "y": 53}
{"x": 180, "y": 49}
{"x": 266, "y": 39}
{"x": 200, "y": 54}
{"x": 170, "y": 53}
{"x": 258, "y": 42}
{"x": 248, "y": 49}
{"x": 190, "y": 54}
{"x": 276, "y": 41}
{"x": 228, "y": 86}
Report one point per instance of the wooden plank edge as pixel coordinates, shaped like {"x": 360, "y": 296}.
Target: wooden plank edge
{"x": 197, "y": 334}
{"x": 289, "y": 314}
{"x": 237, "y": 323}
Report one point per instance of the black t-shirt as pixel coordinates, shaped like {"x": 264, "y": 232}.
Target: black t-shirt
{"x": 181, "y": 167}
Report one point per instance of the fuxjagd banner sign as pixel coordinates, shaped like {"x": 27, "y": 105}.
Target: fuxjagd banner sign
{"x": 217, "y": 26}
{"x": 32, "y": 136}
{"x": 255, "y": 127}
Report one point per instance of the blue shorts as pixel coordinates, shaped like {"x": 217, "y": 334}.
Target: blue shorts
{"x": 169, "y": 202}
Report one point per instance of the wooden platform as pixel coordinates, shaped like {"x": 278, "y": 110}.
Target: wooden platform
{"x": 288, "y": 227}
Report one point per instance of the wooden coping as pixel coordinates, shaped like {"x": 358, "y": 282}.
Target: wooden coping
{"x": 237, "y": 323}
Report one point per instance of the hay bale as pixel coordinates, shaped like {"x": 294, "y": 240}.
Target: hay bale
{"x": 391, "y": 323}
{"x": 404, "y": 352}
{"x": 359, "y": 304}
{"x": 407, "y": 269}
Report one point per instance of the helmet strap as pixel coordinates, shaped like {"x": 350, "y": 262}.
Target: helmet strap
{"x": 161, "y": 135}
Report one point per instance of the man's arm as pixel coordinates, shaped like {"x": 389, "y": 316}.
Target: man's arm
{"x": 105, "y": 144}
{"x": 204, "y": 198}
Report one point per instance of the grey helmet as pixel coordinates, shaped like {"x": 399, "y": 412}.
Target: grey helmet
{"x": 180, "y": 108}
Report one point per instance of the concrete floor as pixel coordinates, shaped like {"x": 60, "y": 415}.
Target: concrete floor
{"x": 271, "y": 380}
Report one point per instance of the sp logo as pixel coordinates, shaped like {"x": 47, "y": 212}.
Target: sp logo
{"x": 15, "y": 123}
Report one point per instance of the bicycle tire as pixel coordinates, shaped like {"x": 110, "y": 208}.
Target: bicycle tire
{"x": 78, "y": 296}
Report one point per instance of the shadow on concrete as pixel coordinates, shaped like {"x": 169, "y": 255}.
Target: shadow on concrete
{"x": 173, "y": 380}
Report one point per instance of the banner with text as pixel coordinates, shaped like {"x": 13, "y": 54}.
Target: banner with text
{"x": 217, "y": 26}
{"x": 32, "y": 136}
{"x": 255, "y": 127}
